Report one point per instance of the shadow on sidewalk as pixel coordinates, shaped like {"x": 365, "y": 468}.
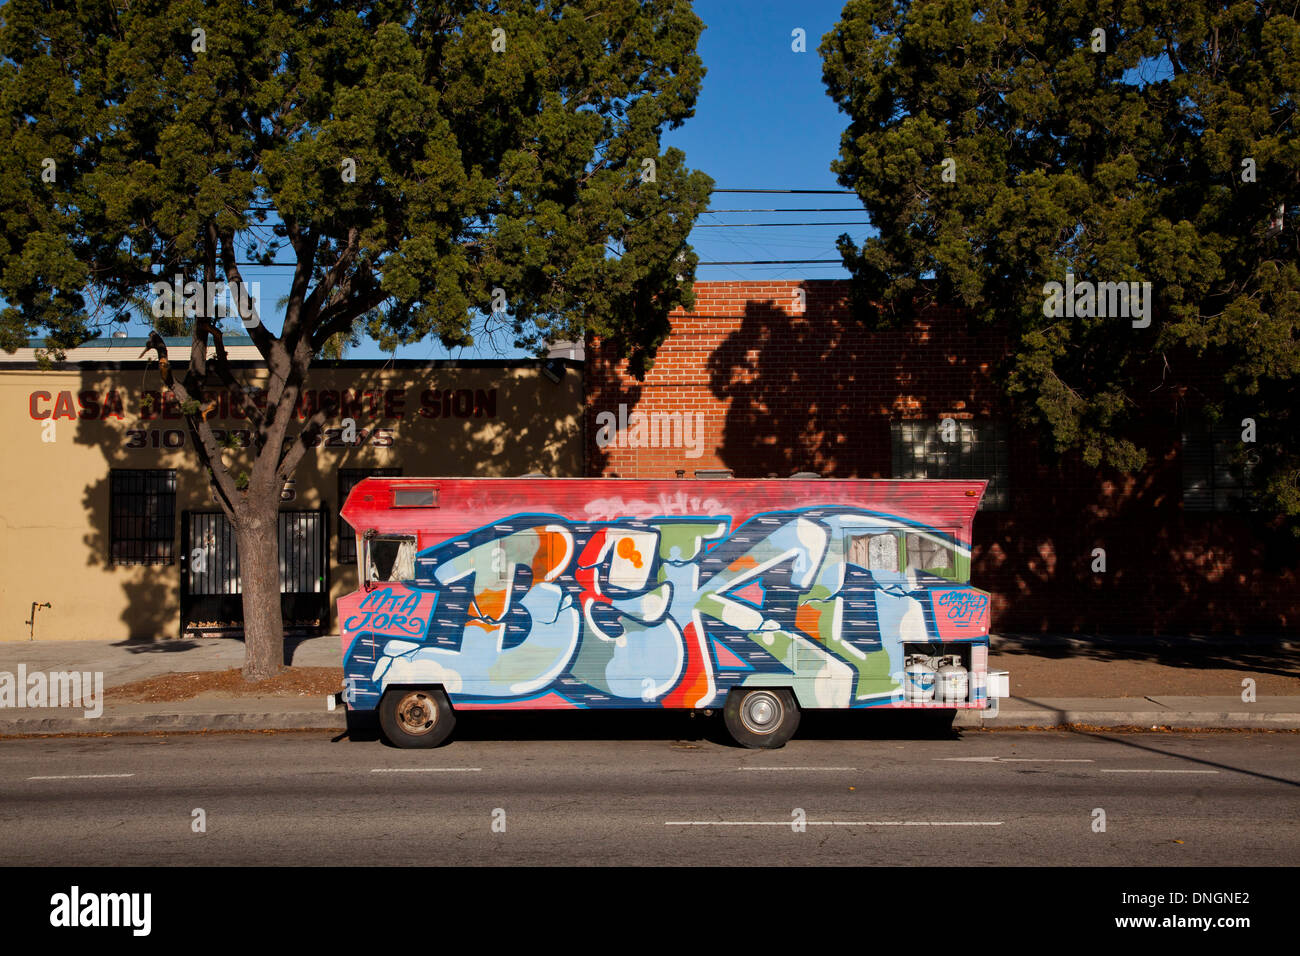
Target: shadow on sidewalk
{"x": 172, "y": 645}
{"x": 1258, "y": 655}
{"x": 145, "y": 645}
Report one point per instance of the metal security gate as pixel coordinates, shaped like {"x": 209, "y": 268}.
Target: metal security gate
{"x": 211, "y": 589}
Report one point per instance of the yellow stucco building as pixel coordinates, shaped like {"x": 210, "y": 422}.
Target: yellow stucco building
{"x": 108, "y": 525}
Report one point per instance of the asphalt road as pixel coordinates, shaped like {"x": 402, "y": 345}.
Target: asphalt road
{"x": 987, "y": 798}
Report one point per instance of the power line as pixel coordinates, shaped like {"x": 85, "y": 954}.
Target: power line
{"x": 817, "y": 192}
{"x": 715, "y": 212}
{"x": 727, "y": 262}
{"x": 756, "y": 225}
{"x": 771, "y": 262}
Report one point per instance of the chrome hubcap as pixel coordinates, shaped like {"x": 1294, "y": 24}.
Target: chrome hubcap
{"x": 760, "y": 713}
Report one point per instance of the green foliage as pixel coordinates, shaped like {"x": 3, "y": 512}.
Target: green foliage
{"x": 398, "y": 154}
{"x": 1123, "y": 165}
{"x": 475, "y": 169}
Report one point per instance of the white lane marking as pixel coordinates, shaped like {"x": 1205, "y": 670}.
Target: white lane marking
{"x": 1160, "y": 771}
{"x": 84, "y": 776}
{"x": 426, "y": 769}
{"x": 796, "y": 768}
{"x": 834, "y": 823}
{"x": 1018, "y": 759}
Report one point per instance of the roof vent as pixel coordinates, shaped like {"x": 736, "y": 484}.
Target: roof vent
{"x": 805, "y": 474}
{"x": 714, "y": 473}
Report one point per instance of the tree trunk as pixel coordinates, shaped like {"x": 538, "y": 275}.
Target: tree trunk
{"x": 259, "y": 571}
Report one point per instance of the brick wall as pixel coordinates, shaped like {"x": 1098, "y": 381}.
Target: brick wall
{"x": 776, "y": 388}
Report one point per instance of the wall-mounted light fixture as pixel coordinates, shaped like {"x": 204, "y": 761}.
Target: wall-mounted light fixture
{"x": 554, "y": 370}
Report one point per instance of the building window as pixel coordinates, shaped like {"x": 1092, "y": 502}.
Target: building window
{"x": 349, "y": 478}
{"x": 977, "y": 450}
{"x": 1217, "y": 468}
{"x": 143, "y": 516}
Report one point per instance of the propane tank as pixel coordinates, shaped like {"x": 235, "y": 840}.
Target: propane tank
{"x": 951, "y": 681}
{"x": 918, "y": 679}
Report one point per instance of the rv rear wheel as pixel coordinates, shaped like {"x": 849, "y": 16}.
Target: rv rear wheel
{"x": 416, "y": 716}
{"x": 761, "y": 718}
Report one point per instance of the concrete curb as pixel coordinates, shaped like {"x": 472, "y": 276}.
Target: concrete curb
{"x": 1213, "y": 720}
{"x": 146, "y": 723}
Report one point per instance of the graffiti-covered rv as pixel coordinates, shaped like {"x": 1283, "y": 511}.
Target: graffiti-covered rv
{"x": 758, "y": 598}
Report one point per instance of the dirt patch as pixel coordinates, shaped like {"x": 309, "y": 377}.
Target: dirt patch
{"x": 292, "y": 682}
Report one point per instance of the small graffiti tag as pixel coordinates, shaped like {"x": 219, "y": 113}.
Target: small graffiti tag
{"x": 963, "y": 605}
{"x": 399, "y": 615}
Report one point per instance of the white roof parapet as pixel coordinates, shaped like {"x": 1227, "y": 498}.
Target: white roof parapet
{"x": 129, "y": 349}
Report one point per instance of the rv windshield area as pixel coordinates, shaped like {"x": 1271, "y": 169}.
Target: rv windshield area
{"x": 390, "y": 559}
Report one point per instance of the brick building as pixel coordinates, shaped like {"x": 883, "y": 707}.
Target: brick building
{"x": 770, "y": 378}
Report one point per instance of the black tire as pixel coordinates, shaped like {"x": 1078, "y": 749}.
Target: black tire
{"x": 416, "y": 716}
{"x": 761, "y": 718}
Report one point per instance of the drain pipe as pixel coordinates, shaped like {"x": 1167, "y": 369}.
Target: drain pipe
{"x": 31, "y": 625}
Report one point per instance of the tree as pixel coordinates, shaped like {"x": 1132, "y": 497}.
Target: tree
{"x": 416, "y": 162}
{"x": 999, "y": 146}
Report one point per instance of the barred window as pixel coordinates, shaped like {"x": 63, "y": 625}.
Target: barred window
{"x": 349, "y": 478}
{"x": 977, "y": 450}
{"x": 142, "y": 516}
{"x": 1217, "y": 467}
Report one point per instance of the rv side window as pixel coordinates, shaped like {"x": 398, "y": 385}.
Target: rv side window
{"x": 875, "y": 552}
{"x": 390, "y": 558}
{"x": 925, "y": 553}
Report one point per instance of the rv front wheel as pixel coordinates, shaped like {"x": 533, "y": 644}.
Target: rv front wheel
{"x": 416, "y": 716}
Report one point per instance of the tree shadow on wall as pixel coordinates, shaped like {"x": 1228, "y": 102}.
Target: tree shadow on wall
{"x": 817, "y": 392}
{"x": 614, "y": 388}
{"x": 150, "y": 604}
{"x": 534, "y": 426}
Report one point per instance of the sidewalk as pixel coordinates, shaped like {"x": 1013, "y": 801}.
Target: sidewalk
{"x": 1145, "y": 683}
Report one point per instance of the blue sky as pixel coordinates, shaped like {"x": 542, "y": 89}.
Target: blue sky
{"x": 763, "y": 121}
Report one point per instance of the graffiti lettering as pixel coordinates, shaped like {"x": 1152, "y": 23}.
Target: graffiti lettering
{"x": 603, "y": 509}
{"x": 963, "y": 605}
{"x": 668, "y": 610}
{"x": 386, "y": 612}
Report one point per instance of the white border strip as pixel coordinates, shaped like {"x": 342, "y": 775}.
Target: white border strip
{"x": 833, "y": 823}
{"x": 1160, "y": 771}
{"x": 84, "y": 776}
{"x": 426, "y": 769}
